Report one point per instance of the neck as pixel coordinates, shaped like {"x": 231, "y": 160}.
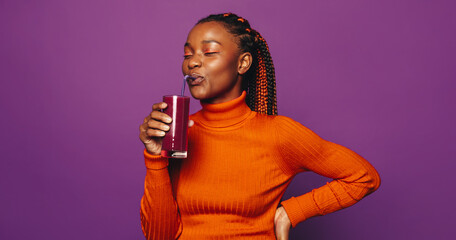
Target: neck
{"x": 226, "y": 113}
{"x": 221, "y": 99}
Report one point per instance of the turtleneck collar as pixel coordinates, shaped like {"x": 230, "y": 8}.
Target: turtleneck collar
{"x": 224, "y": 114}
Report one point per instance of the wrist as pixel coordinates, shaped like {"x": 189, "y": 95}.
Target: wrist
{"x": 155, "y": 162}
{"x": 153, "y": 153}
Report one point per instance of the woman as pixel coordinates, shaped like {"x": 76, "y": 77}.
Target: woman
{"x": 242, "y": 155}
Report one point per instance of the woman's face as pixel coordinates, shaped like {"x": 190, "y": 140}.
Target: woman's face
{"x": 212, "y": 56}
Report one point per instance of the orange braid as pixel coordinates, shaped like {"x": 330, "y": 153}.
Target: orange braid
{"x": 263, "y": 95}
{"x": 261, "y": 87}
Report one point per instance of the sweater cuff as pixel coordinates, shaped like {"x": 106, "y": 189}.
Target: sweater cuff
{"x": 155, "y": 162}
{"x": 300, "y": 210}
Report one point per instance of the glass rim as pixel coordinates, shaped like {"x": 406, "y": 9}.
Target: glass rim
{"x": 176, "y": 95}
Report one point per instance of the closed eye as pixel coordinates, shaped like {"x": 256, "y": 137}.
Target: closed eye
{"x": 210, "y": 53}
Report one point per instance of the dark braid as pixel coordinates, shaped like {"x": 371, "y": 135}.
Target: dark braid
{"x": 259, "y": 81}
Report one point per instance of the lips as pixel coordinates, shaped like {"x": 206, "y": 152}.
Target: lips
{"x": 195, "y": 79}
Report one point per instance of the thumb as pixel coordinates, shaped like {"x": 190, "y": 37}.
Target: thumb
{"x": 190, "y": 123}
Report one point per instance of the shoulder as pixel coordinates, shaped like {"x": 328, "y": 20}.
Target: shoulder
{"x": 285, "y": 120}
{"x": 278, "y": 120}
{"x": 288, "y": 128}
{"x": 272, "y": 118}
{"x": 280, "y": 124}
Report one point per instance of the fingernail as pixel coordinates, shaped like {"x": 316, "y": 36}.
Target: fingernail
{"x": 168, "y": 119}
{"x": 166, "y": 127}
{"x": 162, "y": 134}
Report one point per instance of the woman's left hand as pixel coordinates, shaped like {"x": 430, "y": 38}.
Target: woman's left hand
{"x": 282, "y": 224}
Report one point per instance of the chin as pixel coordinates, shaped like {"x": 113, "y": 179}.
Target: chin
{"x": 198, "y": 94}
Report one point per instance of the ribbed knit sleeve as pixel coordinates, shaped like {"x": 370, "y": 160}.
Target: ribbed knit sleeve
{"x": 159, "y": 213}
{"x": 301, "y": 149}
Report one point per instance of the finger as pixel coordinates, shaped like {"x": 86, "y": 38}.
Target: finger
{"x": 281, "y": 234}
{"x": 278, "y": 236}
{"x": 143, "y": 133}
{"x": 161, "y": 116}
{"x": 143, "y": 127}
{"x": 285, "y": 234}
{"x": 146, "y": 118}
{"x": 190, "y": 123}
{"x": 155, "y": 133}
{"x": 143, "y": 136}
{"x": 157, "y": 125}
{"x": 159, "y": 106}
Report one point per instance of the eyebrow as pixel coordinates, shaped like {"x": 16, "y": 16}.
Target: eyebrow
{"x": 212, "y": 41}
{"x": 204, "y": 42}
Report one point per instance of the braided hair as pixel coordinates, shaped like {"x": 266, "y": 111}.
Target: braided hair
{"x": 259, "y": 81}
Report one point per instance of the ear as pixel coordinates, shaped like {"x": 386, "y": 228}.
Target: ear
{"x": 245, "y": 61}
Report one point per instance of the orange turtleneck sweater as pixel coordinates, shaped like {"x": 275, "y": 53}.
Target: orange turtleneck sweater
{"x": 238, "y": 167}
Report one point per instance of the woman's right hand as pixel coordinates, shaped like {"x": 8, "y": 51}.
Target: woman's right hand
{"x": 153, "y": 129}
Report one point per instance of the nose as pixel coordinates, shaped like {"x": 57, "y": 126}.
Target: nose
{"x": 194, "y": 62}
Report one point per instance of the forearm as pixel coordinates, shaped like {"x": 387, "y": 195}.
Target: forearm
{"x": 353, "y": 179}
{"x": 159, "y": 214}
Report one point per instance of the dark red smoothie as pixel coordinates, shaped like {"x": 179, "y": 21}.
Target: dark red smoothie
{"x": 175, "y": 140}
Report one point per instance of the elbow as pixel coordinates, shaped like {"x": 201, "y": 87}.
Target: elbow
{"x": 374, "y": 182}
{"x": 378, "y": 181}
{"x": 367, "y": 182}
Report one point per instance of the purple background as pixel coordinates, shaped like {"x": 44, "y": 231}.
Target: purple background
{"x": 78, "y": 77}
